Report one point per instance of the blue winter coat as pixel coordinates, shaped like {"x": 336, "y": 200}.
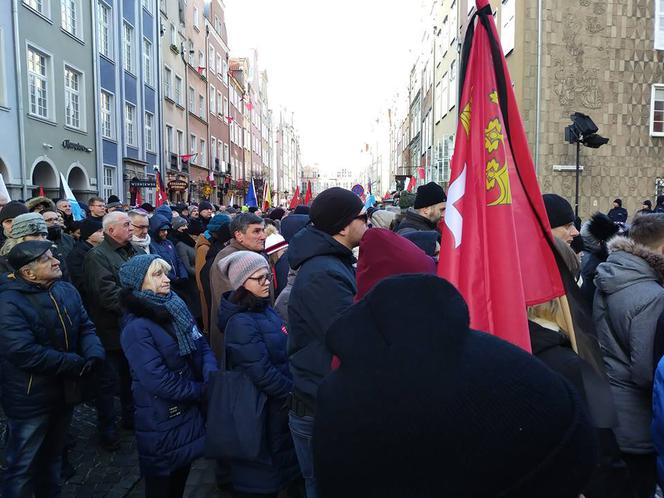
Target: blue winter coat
{"x": 323, "y": 289}
{"x": 35, "y": 357}
{"x": 256, "y": 345}
{"x": 165, "y": 248}
{"x": 168, "y": 389}
{"x": 658, "y": 403}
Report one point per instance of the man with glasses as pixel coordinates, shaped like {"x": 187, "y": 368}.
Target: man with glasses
{"x": 102, "y": 285}
{"x": 55, "y": 226}
{"x": 324, "y": 288}
{"x": 97, "y": 207}
{"x": 140, "y": 225}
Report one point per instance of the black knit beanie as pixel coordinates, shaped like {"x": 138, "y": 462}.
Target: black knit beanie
{"x": 334, "y": 209}
{"x": 12, "y": 210}
{"x": 618, "y": 201}
{"x": 558, "y": 210}
{"x": 429, "y": 195}
{"x": 89, "y": 226}
{"x": 423, "y": 406}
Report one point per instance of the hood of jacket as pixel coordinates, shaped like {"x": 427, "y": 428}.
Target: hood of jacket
{"x": 164, "y": 211}
{"x": 156, "y": 223}
{"x": 543, "y": 339}
{"x": 383, "y": 253}
{"x": 292, "y": 224}
{"x": 629, "y": 263}
{"x": 36, "y": 201}
{"x": 143, "y": 309}
{"x": 311, "y": 242}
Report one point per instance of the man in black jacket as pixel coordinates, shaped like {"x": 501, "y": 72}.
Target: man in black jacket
{"x": 91, "y": 236}
{"x": 47, "y": 342}
{"x": 102, "y": 286}
{"x": 323, "y": 289}
{"x": 428, "y": 210}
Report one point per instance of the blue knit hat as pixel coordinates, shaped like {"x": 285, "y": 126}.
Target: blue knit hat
{"x": 217, "y": 222}
{"x": 132, "y": 273}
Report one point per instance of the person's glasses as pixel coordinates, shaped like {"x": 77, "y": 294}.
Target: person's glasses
{"x": 98, "y": 205}
{"x": 141, "y": 227}
{"x": 363, "y": 218}
{"x": 263, "y": 279}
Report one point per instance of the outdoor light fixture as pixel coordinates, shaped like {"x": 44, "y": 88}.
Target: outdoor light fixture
{"x": 582, "y": 131}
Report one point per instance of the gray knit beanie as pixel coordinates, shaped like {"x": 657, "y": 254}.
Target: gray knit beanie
{"x": 241, "y": 265}
{"x": 28, "y": 224}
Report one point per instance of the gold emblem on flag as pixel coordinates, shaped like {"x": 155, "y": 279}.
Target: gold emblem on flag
{"x": 494, "y": 97}
{"x": 497, "y": 176}
{"x": 465, "y": 118}
{"x": 493, "y": 135}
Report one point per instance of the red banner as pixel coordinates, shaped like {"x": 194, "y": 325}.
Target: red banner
{"x": 496, "y": 245}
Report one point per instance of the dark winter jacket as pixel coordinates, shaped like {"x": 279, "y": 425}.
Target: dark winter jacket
{"x": 198, "y": 225}
{"x": 39, "y": 348}
{"x": 75, "y": 263}
{"x": 166, "y": 249}
{"x": 168, "y": 389}
{"x": 289, "y": 227}
{"x": 324, "y": 288}
{"x": 281, "y": 303}
{"x": 618, "y": 214}
{"x": 595, "y": 233}
{"x": 255, "y": 343}
{"x": 658, "y": 401}
{"x": 414, "y": 221}
{"x": 184, "y": 246}
{"x": 102, "y": 287}
{"x": 628, "y": 302}
{"x": 65, "y": 243}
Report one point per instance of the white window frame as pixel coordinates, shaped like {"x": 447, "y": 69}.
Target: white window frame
{"x": 659, "y": 24}
{"x": 201, "y": 106}
{"x": 105, "y": 29}
{"x": 226, "y": 153}
{"x": 148, "y": 126}
{"x": 211, "y": 58}
{"x": 169, "y": 140}
{"x": 107, "y": 113}
{"x": 179, "y": 142}
{"x": 48, "y": 83}
{"x": 109, "y": 188}
{"x": 70, "y": 93}
{"x": 3, "y": 70}
{"x": 34, "y": 5}
{"x": 196, "y": 18}
{"x": 445, "y": 94}
{"x": 453, "y": 20}
{"x": 178, "y": 89}
{"x": 219, "y": 67}
{"x": 225, "y": 111}
{"x": 213, "y": 150}
{"x": 508, "y": 25}
{"x": 147, "y": 5}
{"x": 191, "y": 95}
{"x": 130, "y": 125}
{"x": 193, "y": 143}
{"x": 168, "y": 82}
{"x": 173, "y": 34}
{"x": 128, "y": 48}
{"x": 452, "y": 87}
{"x": 69, "y": 9}
{"x": 203, "y": 154}
{"x": 657, "y": 87}
{"x": 218, "y": 110}
{"x": 148, "y": 71}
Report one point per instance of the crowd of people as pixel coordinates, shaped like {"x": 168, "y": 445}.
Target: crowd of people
{"x": 356, "y": 369}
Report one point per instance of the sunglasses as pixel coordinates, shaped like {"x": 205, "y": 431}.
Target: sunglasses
{"x": 263, "y": 279}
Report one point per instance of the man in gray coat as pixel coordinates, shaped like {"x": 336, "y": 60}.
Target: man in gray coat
{"x": 628, "y": 302}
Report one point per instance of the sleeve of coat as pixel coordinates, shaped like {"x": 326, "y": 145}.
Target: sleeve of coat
{"x": 101, "y": 283}
{"x": 657, "y": 426}
{"x": 183, "y": 271}
{"x": 89, "y": 345}
{"x": 326, "y": 296}
{"x": 181, "y": 250}
{"x": 148, "y": 365}
{"x": 208, "y": 360}
{"x": 248, "y": 352}
{"x": 20, "y": 348}
{"x": 642, "y": 337}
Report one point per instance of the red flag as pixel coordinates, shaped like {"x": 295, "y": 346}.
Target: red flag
{"x": 296, "y": 198}
{"x": 187, "y": 157}
{"x": 139, "y": 197}
{"x": 496, "y": 245}
{"x": 229, "y": 119}
{"x": 250, "y": 106}
{"x": 160, "y": 193}
{"x": 411, "y": 184}
{"x": 308, "y": 195}
{"x": 41, "y": 191}
{"x": 200, "y": 69}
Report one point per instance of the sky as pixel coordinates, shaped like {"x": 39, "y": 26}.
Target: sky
{"x": 334, "y": 64}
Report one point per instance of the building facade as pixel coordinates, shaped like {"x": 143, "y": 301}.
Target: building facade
{"x": 55, "y": 82}
{"x": 11, "y": 167}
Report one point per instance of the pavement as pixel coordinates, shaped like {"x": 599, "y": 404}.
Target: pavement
{"x": 105, "y": 474}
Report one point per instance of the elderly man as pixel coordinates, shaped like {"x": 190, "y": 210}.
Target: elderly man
{"x": 47, "y": 342}
{"x": 64, "y": 208}
{"x": 63, "y": 241}
{"x": 102, "y": 286}
{"x": 140, "y": 226}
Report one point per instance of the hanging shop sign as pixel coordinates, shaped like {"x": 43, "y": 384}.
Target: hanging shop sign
{"x": 178, "y": 185}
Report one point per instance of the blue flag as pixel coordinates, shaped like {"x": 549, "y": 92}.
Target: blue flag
{"x": 251, "y": 200}
{"x": 76, "y": 210}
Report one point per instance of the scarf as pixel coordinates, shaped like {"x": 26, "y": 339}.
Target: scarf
{"x": 186, "y": 330}
{"x": 141, "y": 244}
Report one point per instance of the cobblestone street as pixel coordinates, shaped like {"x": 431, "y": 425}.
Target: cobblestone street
{"x": 100, "y": 473}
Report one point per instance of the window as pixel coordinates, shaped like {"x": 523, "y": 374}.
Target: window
{"x": 445, "y": 35}
{"x": 203, "y": 155}
{"x": 226, "y": 153}
{"x": 507, "y": 25}
{"x": 437, "y": 111}
{"x": 453, "y": 23}
{"x": 196, "y": 18}
{"x": 168, "y": 74}
{"x": 471, "y": 5}
{"x": 192, "y": 144}
{"x": 191, "y": 99}
{"x": 3, "y": 74}
{"x": 71, "y": 16}
{"x": 178, "y": 90}
{"x": 104, "y": 21}
{"x": 41, "y": 6}
{"x": 73, "y": 101}
{"x": 38, "y": 82}
{"x": 213, "y": 150}
{"x": 106, "y": 104}
{"x": 657, "y": 111}
{"x": 219, "y": 66}
{"x": 180, "y": 142}
{"x": 201, "y": 106}
{"x": 201, "y": 60}
{"x": 174, "y": 40}
{"x": 147, "y": 5}
{"x": 218, "y": 110}
{"x": 147, "y": 61}
{"x": 444, "y": 94}
{"x": 225, "y": 107}
{"x": 191, "y": 52}
{"x": 211, "y": 59}
{"x": 130, "y": 128}
{"x": 213, "y": 99}
{"x": 149, "y": 131}
{"x": 225, "y": 70}
{"x": 128, "y": 48}
{"x": 169, "y": 138}
{"x": 453, "y": 85}
{"x": 109, "y": 182}
{"x": 659, "y": 24}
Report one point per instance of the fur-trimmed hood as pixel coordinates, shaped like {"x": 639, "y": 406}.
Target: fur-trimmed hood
{"x": 629, "y": 263}
{"x": 36, "y": 201}
{"x": 142, "y": 308}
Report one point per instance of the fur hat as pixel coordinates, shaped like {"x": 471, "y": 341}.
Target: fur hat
{"x": 45, "y": 202}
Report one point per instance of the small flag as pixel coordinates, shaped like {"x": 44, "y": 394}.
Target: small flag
{"x": 251, "y": 195}
{"x": 76, "y": 210}
{"x": 210, "y": 179}
{"x": 296, "y": 198}
{"x": 200, "y": 69}
{"x": 308, "y": 195}
{"x": 41, "y": 191}
{"x": 229, "y": 119}
{"x": 250, "y": 106}
{"x": 139, "y": 197}
{"x": 371, "y": 200}
{"x": 4, "y": 193}
{"x": 267, "y": 197}
{"x": 160, "y": 193}
{"x": 410, "y": 183}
